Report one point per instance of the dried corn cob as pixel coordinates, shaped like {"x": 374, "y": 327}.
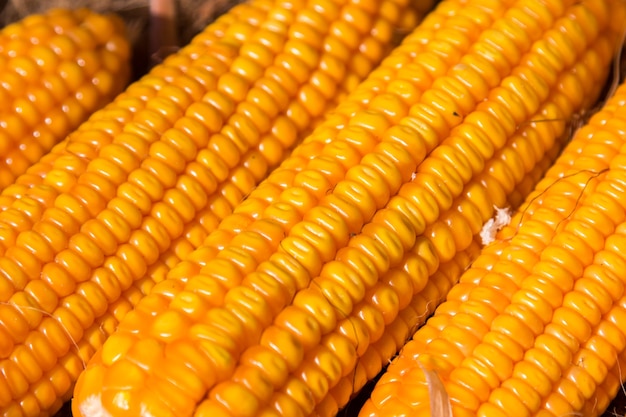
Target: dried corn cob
{"x": 219, "y": 206}
{"x": 101, "y": 208}
{"x": 420, "y": 305}
{"x": 533, "y": 327}
{"x": 292, "y": 270}
{"x": 55, "y": 70}
{"x": 68, "y": 159}
{"x": 372, "y": 46}
{"x": 413, "y": 309}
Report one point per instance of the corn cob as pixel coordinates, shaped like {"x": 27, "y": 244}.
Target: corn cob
{"x": 338, "y": 71}
{"x": 68, "y": 159}
{"x": 218, "y": 206}
{"x": 413, "y": 309}
{"x": 105, "y": 243}
{"x": 55, "y": 70}
{"x": 60, "y": 354}
{"x": 534, "y": 326}
{"x": 230, "y": 329}
{"x": 332, "y": 69}
{"x": 420, "y": 306}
